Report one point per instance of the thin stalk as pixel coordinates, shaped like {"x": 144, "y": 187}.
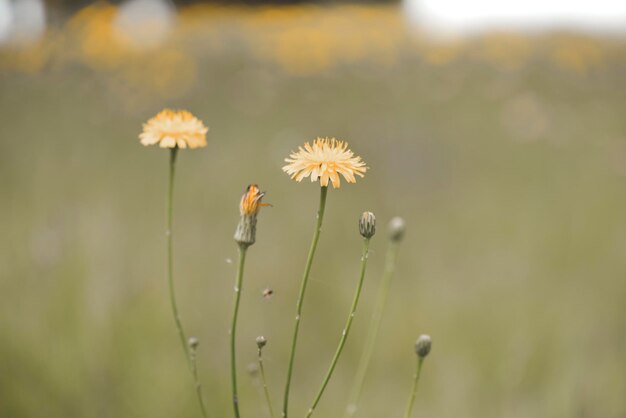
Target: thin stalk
{"x": 305, "y": 279}
{"x": 416, "y": 378}
{"x": 370, "y": 340}
{"x": 233, "y": 328}
{"x": 346, "y": 330}
{"x": 170, "y": 278}
{"x": 264, "y": 382}
{"x": 170, "y": 254}
{"x": 194, "y": 369}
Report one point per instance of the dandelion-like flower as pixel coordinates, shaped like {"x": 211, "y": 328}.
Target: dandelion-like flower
{"x": 249, "y": 207}
{"x": 325, "y": 160}
{"x": 251, "y": 201}
{"x": 174, "y": 129}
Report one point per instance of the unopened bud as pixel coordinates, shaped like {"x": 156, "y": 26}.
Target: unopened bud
{"x": 397, "y": 226}
{"x": 423, "y": 345}
{"x": 261, "y": 341}
{"x": 193, "y": 343}
{"x": 252, "y": 369}
{"x": 367, "y": 225}
{"x": 249, "y": 206}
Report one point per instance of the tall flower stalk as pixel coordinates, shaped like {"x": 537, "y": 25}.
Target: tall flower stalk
{"x": 324, "y": 160}
{"x": 303, "y": 285}
{"x": 233, "y": 329}
{"x": 396, "y": 233}
{"x": 367, "y": 227}
{"x": 245, "y": 236}
{"x": 170, "y": 254}
{"x": 176, "y": 130}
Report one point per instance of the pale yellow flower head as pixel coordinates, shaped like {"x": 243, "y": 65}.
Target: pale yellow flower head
{"x": 174, "y": 128}
{"x": 325, "y": 160}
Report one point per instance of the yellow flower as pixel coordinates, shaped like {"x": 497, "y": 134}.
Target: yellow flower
{"x": 174, "y": 128}
{"x": 325, "y": 160}
{"x": 245, "y": 234}
{"x": 251, "y": 201}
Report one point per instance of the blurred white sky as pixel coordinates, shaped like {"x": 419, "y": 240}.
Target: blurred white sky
{"x": 462, "y": 16}
{"x": 21, "y": 21}
{"x": 24, "y": 21}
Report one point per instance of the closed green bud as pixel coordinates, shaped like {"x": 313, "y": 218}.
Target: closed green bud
{"x": 193, "y": 343}
{"x": 367, "y": 225}
{"x": 423, "y": 345}
{"x": 252, "y": 369}
{"x": 397, "y": 226}
{"x": 261, "y": 341}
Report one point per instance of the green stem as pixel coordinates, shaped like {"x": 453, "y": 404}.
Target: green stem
{"x": 233, "y": 328}
{"x": 170, "y": 278}
{"x": 194, "y": 369}
{"x": 305, "y": 279}
{"x": 416, "y": 378}
{"x": 265, "y": 388}
{"x": 370, "y": 340}
{"x": 170, "y": 254}
{"x": 346, "y": 330}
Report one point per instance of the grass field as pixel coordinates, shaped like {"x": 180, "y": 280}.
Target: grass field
{"x": 505, "y": 153}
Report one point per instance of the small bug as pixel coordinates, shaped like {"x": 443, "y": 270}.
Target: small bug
{"x": 267, "y": 293}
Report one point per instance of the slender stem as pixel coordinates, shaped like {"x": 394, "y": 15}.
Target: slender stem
{"x": 416, "y": 378}
{"x": 194, "y": 369}
{"x": 170, "y": 254}
{"x": 264, "y": 382}
{"x": 233, "y": 361}
{"x": 372, "y": 333}
{"x": 170, "y": 279}
{"x": 346, "y": 330}
{"x": 305, "y": 279}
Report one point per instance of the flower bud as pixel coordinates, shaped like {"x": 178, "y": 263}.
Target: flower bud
{"x": 423, "y": 345}
{"x": 261, "y": 341}
{"x": 397, "y": 226}
{"x": 367, "y": 225}
{"x": 193, "y": 343}
{"x": 245, "y": 234}
{"x": 252, "y": 369}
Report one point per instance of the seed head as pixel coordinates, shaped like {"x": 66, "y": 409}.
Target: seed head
{"x": 397, "y": 226}
{"x": 261, "y": 341}
{"x": 423, "y": 345}
{"x": 367, "y": 225}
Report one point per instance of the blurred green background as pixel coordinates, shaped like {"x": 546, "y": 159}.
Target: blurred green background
{"x": 505, "y": 153}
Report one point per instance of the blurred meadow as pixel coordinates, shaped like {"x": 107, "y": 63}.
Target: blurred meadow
{"x": 505, "y": 152}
